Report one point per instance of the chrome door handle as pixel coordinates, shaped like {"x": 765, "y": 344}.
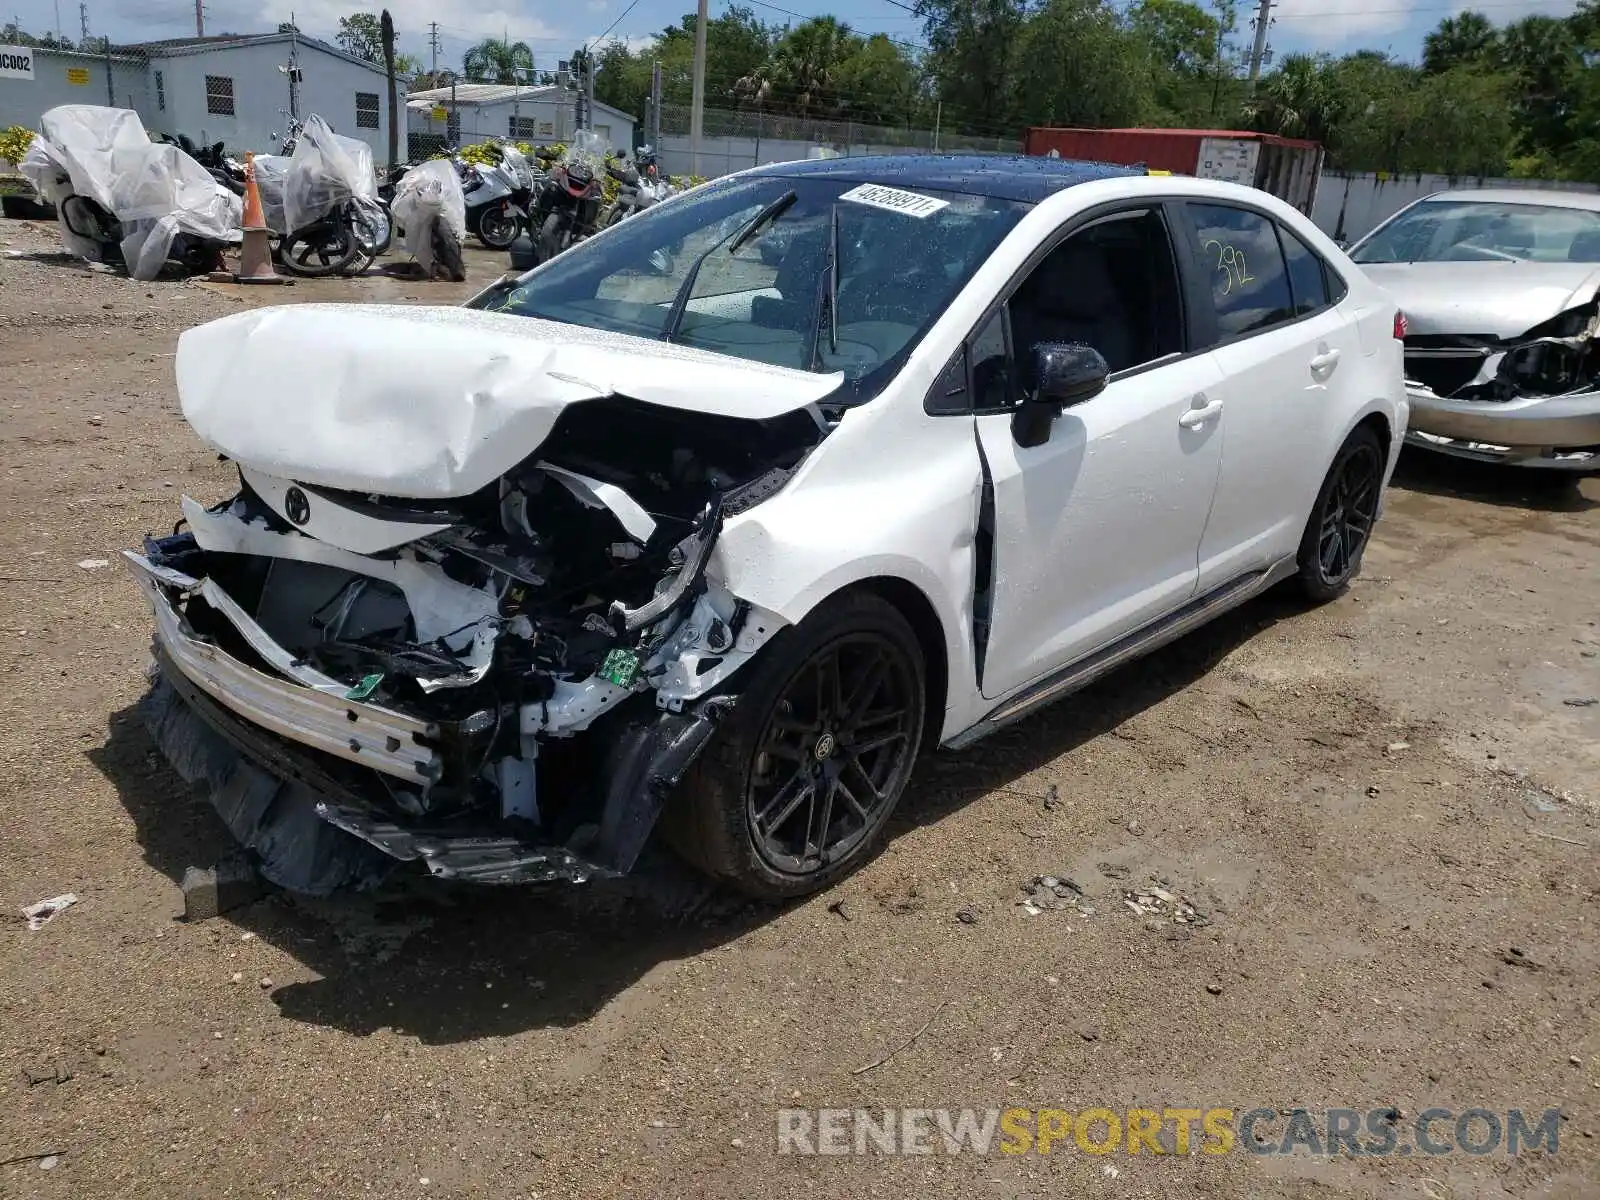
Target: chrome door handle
{"x": 1200, "y": 411}
{"x": 1323, "y": 364}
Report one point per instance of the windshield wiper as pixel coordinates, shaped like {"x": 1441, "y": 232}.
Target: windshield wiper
{"x": 829, "y": 297}
{"x": 680, "y": 301}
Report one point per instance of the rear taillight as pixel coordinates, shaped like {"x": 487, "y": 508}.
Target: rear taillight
{"x": 1400, "y": 325}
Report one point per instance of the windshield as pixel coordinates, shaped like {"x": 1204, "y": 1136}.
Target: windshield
{"x": 1485, "y": 231}
{"x": 747, "y": 268}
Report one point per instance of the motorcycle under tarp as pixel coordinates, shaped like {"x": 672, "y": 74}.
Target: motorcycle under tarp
{"x": 428, "y": 203}
{"x": 154, "y": 191}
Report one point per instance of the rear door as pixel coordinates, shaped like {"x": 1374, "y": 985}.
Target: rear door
{"x": 1284, "y": 352}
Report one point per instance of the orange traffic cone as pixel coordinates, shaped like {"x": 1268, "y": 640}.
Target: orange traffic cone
{"x": 255, "y": 255}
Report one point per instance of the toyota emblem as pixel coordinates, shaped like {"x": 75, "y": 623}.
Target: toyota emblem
{"x": 296, "y": 507}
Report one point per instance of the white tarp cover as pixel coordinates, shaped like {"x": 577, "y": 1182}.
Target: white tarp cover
{"x": 326, "y": 170}
{"x": 435, "y": 402}
{"x": 272, "y": 170}
{"x": 155, "y": 190}
{"x": 428, "y": 193}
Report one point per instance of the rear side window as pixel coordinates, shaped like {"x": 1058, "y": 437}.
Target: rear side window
{"x": 1308, "y": 282}
{"x": 1243, "y": 267}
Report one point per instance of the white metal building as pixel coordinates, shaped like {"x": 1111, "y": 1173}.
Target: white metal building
{"x": 493, "y": 111}
{"x": 227, "y": 89}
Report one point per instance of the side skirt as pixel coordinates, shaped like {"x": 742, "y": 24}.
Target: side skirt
{"x": 1140, "y": 642}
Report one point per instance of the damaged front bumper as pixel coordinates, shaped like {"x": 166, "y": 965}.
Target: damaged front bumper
{"x": 1553, "y": 432}
{"x": 366, "y": 769}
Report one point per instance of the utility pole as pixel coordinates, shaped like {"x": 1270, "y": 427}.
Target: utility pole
{"x": 697, "y": 101}
{"x": 1258, "y": 53}
{"x": 294, "y": 71}
{"x": 655, "y": 107}
{"x": 433, "y": 40}
{"x": 199, "y": 18}
{"x": 83, "y": 24}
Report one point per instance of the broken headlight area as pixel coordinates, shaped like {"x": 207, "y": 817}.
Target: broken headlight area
{"x": 1561, "y": 357}
{"x": 511, "y": 695}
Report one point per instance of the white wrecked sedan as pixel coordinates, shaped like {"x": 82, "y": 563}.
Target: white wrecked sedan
{"x": 1502, "y": 350}
{"x": 724, "y": 515}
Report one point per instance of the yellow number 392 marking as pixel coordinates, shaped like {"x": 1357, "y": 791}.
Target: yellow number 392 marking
{"x": 1231, "y": 265}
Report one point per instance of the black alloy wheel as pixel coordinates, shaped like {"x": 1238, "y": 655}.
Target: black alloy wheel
{"x": 836, "y": 752}
{"x": 1341, "y": 522}
{"x": 798, "y": 784}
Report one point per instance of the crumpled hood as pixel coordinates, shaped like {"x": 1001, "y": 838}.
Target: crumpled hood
{"x": 435, "y": 402}
{"x": 1500, "y": 299}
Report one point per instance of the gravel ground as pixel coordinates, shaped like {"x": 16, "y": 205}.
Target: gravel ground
{"x": 1383, "y": 813}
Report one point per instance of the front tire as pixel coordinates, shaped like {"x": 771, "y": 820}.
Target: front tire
{"x": 798, "y": 787}
{"x": 1340, "y": 526}
{"x": 495, "y": 228}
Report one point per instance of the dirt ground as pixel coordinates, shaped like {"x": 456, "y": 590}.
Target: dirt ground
{"x": 1384, "y": 813}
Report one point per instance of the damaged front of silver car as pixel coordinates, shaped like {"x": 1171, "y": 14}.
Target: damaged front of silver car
{"x": 1502, "y": 338}
{"x": 463, "y": 607}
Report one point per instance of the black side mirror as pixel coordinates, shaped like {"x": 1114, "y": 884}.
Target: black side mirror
{"x": 1064, "y": 373}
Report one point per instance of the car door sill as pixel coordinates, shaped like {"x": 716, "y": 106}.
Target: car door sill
{"x": 1141, "y": 641}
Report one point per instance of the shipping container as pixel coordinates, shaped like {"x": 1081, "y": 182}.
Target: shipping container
{"x": 1286, "y": 167}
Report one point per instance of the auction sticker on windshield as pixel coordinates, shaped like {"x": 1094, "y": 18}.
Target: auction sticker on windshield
{"x": 894, "y": 200}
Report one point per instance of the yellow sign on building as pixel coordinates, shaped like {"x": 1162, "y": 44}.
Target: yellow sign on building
{"x": 78, "y": 76}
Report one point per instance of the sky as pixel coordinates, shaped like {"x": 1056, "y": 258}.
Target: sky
{"x": 553, "y": 31}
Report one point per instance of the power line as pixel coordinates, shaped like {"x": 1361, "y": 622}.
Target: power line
{"x": 613, "y": 25}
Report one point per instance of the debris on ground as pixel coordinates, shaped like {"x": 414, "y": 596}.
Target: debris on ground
{"x": 1157, "y": 899}
{"x": 1582, "y": 701}
{"x": 1051, "y": 893}
{"x": 210, "y": 891}
{"x": 837, "y": 908}
{"x": 94, "y": 564}
{"x": 967, "y": 915}
{"x": 43, "y": 911}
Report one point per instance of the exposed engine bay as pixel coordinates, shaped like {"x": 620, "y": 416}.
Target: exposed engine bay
{"x": 462, "y": 643}
{"x": 1560, "y": 357}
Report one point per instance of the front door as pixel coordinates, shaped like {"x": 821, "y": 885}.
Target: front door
{"x": 1097, "y": 530}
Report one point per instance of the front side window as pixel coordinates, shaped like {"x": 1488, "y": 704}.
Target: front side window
{"x": 1112, "y": 285}
{"x": 1243, "y": 267}
{"x": 816, "y": 274}
{"x": 1484, "y": 231}
{"x": 219, "y": 95}
{"x": 366, "y": 110}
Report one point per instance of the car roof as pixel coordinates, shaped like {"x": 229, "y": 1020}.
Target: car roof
{"x": 1029, "y": 178}
{"x": 1544, "y": 197}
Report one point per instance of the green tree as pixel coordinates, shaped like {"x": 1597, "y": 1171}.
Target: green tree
{"x": 407, "y": 66}
{"x": 1181, "y": 40}
{"x": 1077, "y": 64}
{"x": 972, "y": 46}
{"x": 361, "y": 34}
{"x": 1467, "y": 39}
{"x": 497, "y": 60}
{"x": 805, "y": 63}
{"x": 879, "y": 83}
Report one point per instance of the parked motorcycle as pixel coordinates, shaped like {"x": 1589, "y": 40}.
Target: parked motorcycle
{"x": 430, "y": 215}
{"x": 568, "y": 206}
{"x": 498, "y": 197}
{"x": 642, "y": 186}
{"x": 322, "y": 202}
{"x": 122, "y": 199}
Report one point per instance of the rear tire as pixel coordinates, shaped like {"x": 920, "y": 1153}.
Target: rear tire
{"x": 798, "y": 785}
{"x": 1340, "y": 525}
{"x": 494, "y": 228}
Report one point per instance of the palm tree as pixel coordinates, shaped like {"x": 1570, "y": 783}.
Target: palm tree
{"x": 804, "y": 61}
{"x": 1296, "y": 99}
{"x": 496, "y": 60}
{"x": 1458, "y": 41}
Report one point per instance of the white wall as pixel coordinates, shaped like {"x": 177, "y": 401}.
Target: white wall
{"x": 492, "y": 122}
{"x": 261, "y": 96}
{"x": 1351, "y": 205}
{"x": 24, "y": 101}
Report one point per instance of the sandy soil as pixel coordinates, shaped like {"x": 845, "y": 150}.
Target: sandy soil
{"x": 1384, "y": 810}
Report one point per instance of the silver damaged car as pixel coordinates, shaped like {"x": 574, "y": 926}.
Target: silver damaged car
{"x": 1502, "y": 345}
